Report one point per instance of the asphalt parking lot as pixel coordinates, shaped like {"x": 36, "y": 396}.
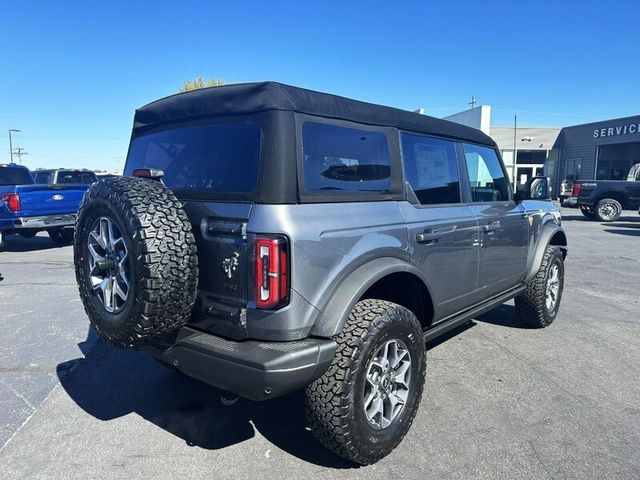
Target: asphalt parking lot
{"x": 501, "y": 401}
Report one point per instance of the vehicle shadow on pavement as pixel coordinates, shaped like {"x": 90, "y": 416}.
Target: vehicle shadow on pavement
{"x": 16, "y": 243}
{"x": 630, "y": 233}
{"x": 581, "y": 218}
{"x": 504, "y": 316}
{"x": 110, "y": 383}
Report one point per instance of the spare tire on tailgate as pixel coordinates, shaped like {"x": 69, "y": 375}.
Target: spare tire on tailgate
{"x": 136, "y": 260}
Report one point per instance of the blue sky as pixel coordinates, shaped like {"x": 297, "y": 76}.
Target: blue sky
{"x": 72, "y": 73}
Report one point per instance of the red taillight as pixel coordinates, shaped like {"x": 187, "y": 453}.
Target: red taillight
{"x": 271, "y": 272}
{"x": 12, "y": 201}
{"x": 575, "y": 191}
{"x": 142, "y": 173}
{"x": 153, "y": 173}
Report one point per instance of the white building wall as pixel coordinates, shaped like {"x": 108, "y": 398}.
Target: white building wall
{"x": 478, "y": 117}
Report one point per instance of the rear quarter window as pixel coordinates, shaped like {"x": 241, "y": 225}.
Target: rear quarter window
{"x": 219, "y": 158}
{"x": 342, "y": 160}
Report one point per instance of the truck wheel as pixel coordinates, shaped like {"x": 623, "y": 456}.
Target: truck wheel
{"x": 538, "y": 305}
{"x": 136, "y": 261}
{"x": 61, "y": 236}
{"x": 608, "y": 210}
{"x": 363, "y": 406}
{"x": 587, "y": 212}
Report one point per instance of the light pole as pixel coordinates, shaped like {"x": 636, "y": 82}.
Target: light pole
{"x": 10, "y": 144}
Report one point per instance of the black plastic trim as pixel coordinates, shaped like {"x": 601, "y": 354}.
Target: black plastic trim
{"x": 461, "y": 318}
{"x": 257, "y": 370}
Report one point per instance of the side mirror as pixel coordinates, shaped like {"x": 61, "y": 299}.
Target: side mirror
{"x": 536, "y": 188}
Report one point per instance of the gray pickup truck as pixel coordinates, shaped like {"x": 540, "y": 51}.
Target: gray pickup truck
{"x": 267, "y": 238}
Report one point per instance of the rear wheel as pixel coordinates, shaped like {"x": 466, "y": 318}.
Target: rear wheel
{"x": 61, "y": 236}
{"x": 608, "y": 210}
{"x": 363, "y": 406}
{"x": 588, "y": 212}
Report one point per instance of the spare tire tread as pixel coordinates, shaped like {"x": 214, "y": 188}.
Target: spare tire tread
{"x": 165, "y": 266}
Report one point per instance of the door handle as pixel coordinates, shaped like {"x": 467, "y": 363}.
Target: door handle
{"x": 427, "y": 238}
{"x": 491, "y": 227}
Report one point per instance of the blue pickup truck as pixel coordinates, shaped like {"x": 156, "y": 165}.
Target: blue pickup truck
{"x": 27, "y": 208}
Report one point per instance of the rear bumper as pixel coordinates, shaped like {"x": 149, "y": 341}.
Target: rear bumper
{"x": 256, "y": 370}
{"x": 45, "y": 221}
{"x": 570, "y": 202}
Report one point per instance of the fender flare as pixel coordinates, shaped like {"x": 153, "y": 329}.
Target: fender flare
{"x": 549, "y": 231}
{"x": 351, "y": 288}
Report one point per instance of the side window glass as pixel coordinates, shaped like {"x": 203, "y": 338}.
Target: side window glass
{"x": 341, "y": 159}
{"x": 431, "y": 168}
{"x": 488, "y": 183}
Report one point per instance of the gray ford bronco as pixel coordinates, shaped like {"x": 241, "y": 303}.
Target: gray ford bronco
{"x": 267, "y": 238}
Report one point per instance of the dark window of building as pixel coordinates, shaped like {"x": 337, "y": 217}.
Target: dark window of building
{"x": 532, "y": 156}
{"x": 573, "y": 169}
{"x": 431, "y": 167}
{"x": 345, "y": 159}
{"x": 615, "y": 161}
{"x": 488, "y": 183}
{"x": 221, "y": 158}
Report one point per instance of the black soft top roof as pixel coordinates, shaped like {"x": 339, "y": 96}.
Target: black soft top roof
{"x": 260, "y": 97}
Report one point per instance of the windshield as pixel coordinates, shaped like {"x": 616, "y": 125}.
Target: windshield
{"x": 76, "y": 177}
{"x": 221, "y": 158}
{"x": 634, "y": 173}
{"x": 15, "y": 176}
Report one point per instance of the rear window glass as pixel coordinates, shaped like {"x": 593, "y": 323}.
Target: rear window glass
{"x": 221, "y": 158}
{"x": 345, "y": 159}
{"x": 76, "y": 177}
{"x": 15, "y": 176}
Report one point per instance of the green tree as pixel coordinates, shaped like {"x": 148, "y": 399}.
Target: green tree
{"x": 200, "y": 82}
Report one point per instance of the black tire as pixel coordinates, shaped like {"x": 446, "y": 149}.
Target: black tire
{"x": 531, "y": 306}
{"x": 608, "y": 210}
{"x": 61, "y": 236}
{"x": 335, "y": 402}
{"x": 32, "y": 233}
{"x": 587, "y": 212}
{"x": 162, "y": 260}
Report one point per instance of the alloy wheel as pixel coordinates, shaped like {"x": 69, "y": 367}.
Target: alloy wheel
{"x": 387, "y": 384}
{"x": 553, "y": 288}
{"x": 608, "y": 210}
{"x": 109, "y": 270}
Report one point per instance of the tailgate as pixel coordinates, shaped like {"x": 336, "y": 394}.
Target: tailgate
{"x": 224, "y": 262}
{"x": 49, "y": 199}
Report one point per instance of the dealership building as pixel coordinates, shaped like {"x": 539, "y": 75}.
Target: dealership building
{"x": 603, "y": 150}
